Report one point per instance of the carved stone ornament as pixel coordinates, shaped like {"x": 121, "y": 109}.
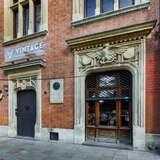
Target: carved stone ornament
{"x": 25, "y": 83}
{"x": 107, "y": 55}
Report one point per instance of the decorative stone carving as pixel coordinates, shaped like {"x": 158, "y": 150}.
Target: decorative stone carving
{"x": 107, "y": 55}
{"x": 25, "y": 83}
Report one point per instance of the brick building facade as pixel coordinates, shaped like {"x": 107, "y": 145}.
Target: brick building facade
{"x": 49, "y": 49}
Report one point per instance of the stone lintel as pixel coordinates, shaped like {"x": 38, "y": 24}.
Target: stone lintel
{"x": 128, "y": 33}
{"x": 27, "y": 65}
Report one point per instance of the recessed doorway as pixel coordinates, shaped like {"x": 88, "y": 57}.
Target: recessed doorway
{"x": 109, "y": 107}
{"x": 26, "y": 113}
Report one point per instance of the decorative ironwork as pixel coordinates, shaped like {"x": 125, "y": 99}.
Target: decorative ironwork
{"x": 109, "y": 85}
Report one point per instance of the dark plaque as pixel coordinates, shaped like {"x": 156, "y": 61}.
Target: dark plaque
{"x": 56, "y": 85}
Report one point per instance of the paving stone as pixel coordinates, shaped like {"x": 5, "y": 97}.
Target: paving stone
{"x": 19, "y": 149}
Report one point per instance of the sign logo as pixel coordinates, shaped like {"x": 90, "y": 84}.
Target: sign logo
{"x": 16, "y": 53}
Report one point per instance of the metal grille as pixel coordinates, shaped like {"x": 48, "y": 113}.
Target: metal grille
{"x": 109, "y": 85}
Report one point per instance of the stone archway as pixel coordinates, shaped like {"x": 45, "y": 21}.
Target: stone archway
{"x": 109, "y": 107}
{"x": 129, "y": 56}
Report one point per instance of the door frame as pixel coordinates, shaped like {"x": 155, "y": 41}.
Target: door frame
{"x": 12, "y": 105}
{"x": 137, "y": 69}
{"x": 117, "y": 128}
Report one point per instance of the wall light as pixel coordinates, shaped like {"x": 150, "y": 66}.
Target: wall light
{"x": 1, "y": 95}
{"x": 5, "y": 87}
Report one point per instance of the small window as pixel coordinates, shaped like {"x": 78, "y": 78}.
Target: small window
{"x": 107, "y": 5}
{"x": 15, "y": 23}
{"x": 37, "y": 16}
{"x": 90, "y": 6}
{"x": 25, "y": 19}
{"x": 126, "y": 3}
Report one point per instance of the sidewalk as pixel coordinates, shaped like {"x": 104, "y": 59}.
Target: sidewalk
{"x": 18, "y": 149}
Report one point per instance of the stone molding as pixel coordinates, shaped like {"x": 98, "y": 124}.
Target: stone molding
{"x": 107, "y": 55}
{"x": 118, "y": 35}
{"x": 24, "y": 65}
{"x": 129, "y": 55}
{"x": 18, "y": 82}
{"x": 25, "y": 83}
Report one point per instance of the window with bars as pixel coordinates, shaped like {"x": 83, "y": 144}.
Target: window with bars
{"x": 109, "y": 85}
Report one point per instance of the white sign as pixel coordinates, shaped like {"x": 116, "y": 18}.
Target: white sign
{"x": 20, "y": 52}
{"x": 56, "y": 91}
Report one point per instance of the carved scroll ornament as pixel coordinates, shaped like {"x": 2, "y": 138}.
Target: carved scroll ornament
{"x": 106, "y": 56}
{"x": 25, "y": 83}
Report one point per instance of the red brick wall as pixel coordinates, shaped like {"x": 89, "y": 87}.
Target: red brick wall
{"x": 153, "y": 87}
{"x": 60, "y": 62}
{"x": 3, "y": 78}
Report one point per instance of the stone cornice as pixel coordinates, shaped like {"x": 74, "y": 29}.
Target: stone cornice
{"x": 11, "y": 68}
{"x": 127, "y": 33}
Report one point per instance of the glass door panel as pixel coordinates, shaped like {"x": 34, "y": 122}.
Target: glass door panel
{"x": 107, "y": 113}
{"x": 91, "y": 113}
{"x": 125, "y": 114}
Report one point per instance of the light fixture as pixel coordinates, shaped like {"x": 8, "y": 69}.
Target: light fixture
{"x": 5, "y": 87}
{"x": 1, "y": 95}
{"x": 101, "y": 101}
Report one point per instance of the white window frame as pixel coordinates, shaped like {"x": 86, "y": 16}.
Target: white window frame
{"x": 79, "y": 8}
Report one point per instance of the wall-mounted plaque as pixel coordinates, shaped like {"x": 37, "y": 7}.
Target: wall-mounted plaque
{"x": 24, "y": 51}
{"x": 57, "y": 91}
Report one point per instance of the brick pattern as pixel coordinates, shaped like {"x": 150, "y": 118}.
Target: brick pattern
{"x": 60, "y": 63}
{"x": 4, "y": 102}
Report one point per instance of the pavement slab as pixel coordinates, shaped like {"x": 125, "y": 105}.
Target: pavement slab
{"x": 22, "y": 149}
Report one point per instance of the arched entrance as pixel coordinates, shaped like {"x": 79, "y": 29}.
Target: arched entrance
{"x": 26, "y": 113}
{"x": 109, "y": 107}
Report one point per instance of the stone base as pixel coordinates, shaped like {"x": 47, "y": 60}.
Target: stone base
{"x": 140, "y": 139}
{"x": 153, "y": 142}
{"x": 4, "y": 131}
{"x": 65, "y": 135}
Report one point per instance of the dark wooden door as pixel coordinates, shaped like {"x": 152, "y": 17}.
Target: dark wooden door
{"x": 26, "y": 113}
